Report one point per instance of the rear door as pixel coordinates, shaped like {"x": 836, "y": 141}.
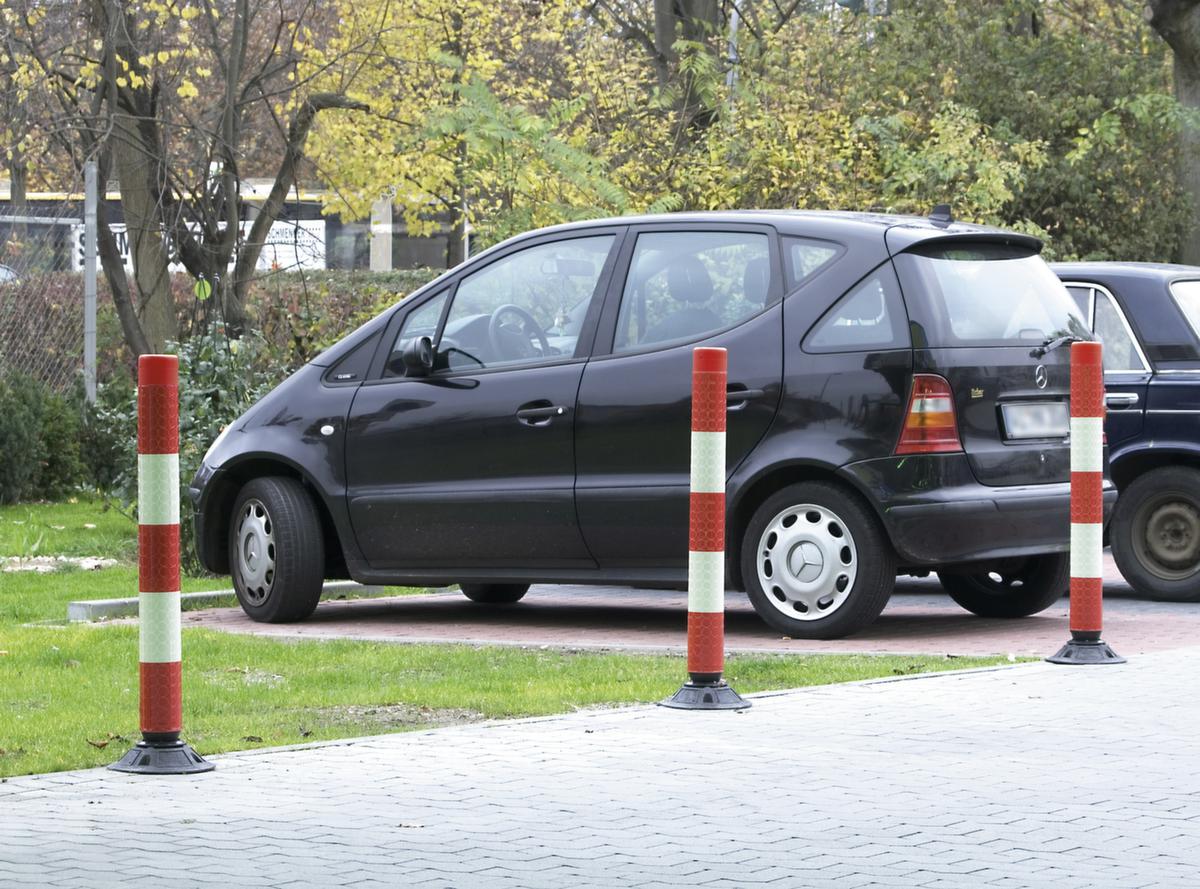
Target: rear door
{"x": 1126, "y": 370}
{"x": 677, "y": 287}
{"x": 987, "y": 316}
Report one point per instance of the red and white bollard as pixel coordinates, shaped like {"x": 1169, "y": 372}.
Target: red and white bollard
{"x": 161, "y": 751}
{"x": 706, "y": 688}
{"x": 1087, "y": 510}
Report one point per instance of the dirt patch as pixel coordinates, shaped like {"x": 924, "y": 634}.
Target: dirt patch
{"x": 394, "y": 716}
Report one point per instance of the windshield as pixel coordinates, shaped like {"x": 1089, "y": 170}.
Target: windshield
{"x": 986, "y": 295}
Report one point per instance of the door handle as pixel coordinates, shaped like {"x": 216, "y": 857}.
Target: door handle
{"x": 541, "y": 415}
{"x": 737, "y": 396}
{"x": 1120, "y": 400}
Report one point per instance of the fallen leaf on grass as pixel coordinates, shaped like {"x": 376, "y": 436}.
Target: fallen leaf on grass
{"x": 304, "y": 733}
{"x": 89, "y": 526}
{"x": 103, "y": 742}
{"x": 71, "y": 663}
{"x": 3, "y": 654}
{"x": 237, "y": 670}
{"x": 253, "y": 739}
{"x": 59, "y": 527}
{"x": 99, "y": 745}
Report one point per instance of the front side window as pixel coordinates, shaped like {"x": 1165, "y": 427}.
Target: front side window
{"x": 421, "y": 321}
{"x": 526, "y": 308}
{"x": 683, "y": 285}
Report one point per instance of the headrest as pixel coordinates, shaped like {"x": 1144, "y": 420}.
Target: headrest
{"x": 688, "y": 280}
{"x": 756, "y": 281}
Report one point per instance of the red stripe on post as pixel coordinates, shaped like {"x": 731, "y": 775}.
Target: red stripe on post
{"x": 158, "y": 419}
{"x": 708, "y": 402}
{"x": 1087, "y": 383}
{"x": 1087, "y": 604}
{"x": 1087, "y": 498}
{"x": 706, "y": 642}
{"x": 158, "y": 370}
{"x": 161, "y": 698}
{"x": 706, "y": 524}
{"x": 158, "y": 558}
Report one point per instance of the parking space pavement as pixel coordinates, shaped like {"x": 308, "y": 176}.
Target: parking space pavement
{"x": 1030, "y": 775}
{"x": 920, "y": 619}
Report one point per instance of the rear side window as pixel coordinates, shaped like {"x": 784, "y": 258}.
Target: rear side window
{"x": 986, "y": 294}
{"x": 870, "y": 317}
{"x": 1187, "y": 297}
{"x": 806, "y": 257}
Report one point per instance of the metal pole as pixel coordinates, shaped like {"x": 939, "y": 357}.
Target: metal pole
{"x": 90, "y": 201}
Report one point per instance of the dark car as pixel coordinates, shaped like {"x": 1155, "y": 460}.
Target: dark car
{"x": 1148, "y": 317}
{"x": 897, "y": 403}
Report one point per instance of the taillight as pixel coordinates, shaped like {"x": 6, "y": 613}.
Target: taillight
{"x": 930, "y": 426}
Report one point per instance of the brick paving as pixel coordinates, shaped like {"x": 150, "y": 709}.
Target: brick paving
{"x": 920, "y": 619}
{"x": 1031, "y": 775}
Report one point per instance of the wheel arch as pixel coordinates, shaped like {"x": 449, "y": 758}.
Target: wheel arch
{"x": 755, "y": 491}
{"x": 223, "y": 491}
{"x": 1129, "y": 466}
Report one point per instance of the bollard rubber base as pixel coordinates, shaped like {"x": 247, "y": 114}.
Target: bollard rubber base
{"x": 162, "y": 758}
{"x": 714, "y": 696}
{"x": 1086, "y": 651}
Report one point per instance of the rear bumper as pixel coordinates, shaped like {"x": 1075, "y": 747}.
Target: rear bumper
{"x": 937, "y": 514}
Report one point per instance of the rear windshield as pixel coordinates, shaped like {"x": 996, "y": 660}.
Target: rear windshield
{"x": 985, "y": 294}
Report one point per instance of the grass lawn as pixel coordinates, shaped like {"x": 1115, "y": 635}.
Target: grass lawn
{"x": 80, "y": 527}
{"x": 69, "y": 694}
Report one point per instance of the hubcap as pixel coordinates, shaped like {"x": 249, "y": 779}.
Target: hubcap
{"x": 255, "y": 551}
{"x": 807, "y": 562}
{"x": 1170, "y": 542}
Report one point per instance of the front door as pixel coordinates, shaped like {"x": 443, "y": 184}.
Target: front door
{"x": 473, "y": 464}
{"x": 682, "y": 288}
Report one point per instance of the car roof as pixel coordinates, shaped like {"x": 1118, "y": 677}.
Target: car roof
{"x": 1163, "y": 271}
{"x": 901, "y": 231}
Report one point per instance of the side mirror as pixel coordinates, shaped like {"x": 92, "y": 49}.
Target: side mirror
{"x": 418, "y": 356}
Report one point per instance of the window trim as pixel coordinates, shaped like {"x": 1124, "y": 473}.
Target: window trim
{"x": 606, "y": 333}
{"x": 450, "y": 281}
{"x": 1147, "y": 367}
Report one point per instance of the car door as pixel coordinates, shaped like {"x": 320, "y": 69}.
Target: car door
{"x": 678, "y": 287}
{"x": 472, "y": 465}
{"x": 1126, "y": 370}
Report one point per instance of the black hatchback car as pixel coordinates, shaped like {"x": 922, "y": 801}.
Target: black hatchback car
{"x": 1148, "y": 317}
{"x": 897, "y": 403}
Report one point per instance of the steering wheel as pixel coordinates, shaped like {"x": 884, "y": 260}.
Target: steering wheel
{"x": 506, "y": 341}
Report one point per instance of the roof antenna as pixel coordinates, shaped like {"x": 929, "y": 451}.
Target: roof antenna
{"x": 941, "y": 215}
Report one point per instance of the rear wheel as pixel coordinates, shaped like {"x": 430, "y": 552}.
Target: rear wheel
{"x": 1155, "y": 534}
{"x": 276, "y": 550}
{"x": 1010, "y": 588}
{"x": 494, "y": 593}
{"x": 816, "y": 563}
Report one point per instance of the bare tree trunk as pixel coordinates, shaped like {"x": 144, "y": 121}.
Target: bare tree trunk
{"x": 114, "y": 268}
{"x": 1178, "y": 22}
{"x": 18, "y": 178}
{"x": 297, "y": 135}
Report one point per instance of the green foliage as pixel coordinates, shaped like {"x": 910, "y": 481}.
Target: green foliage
{"x": 40, "y": 441}
{"x": 219, "y": 378}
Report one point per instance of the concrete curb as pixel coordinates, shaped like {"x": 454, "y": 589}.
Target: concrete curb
{"x": 90, "y": 610}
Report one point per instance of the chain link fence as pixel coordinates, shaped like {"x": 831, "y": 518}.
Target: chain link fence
{"x": 42, "y": 292}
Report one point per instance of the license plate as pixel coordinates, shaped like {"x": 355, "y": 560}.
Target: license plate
{"x": 1040, "y": 419}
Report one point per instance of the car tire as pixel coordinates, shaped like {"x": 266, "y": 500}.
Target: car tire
{"x": 494, "y": 593}
{"x": 276, "y": 550}
{"x": 1015, "y": 587}
{"x": 816, "y": 563}
{"x": 1155, "y": 534}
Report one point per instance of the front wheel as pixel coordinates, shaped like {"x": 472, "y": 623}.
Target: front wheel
{"x": 1011, "y": 588}
{"x": 1155, "y": 534}
{"x": 816, "y": 563}
{"x": 276, "y": 550}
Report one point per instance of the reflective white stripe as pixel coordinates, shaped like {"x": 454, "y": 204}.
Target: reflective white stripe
{"x": 706, "y": 582}
{"x": 158, "y": 489}
{"x": 1087, "y": 444}
{"x": 1087, "y": 550}
{"x": 158, "y": 614}
{"x": 708, "y": 462}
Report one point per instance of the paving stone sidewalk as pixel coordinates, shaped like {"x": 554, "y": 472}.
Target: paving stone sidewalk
{"x": 1027, "y": 776}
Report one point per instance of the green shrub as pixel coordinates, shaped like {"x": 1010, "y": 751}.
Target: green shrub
{"x": 219, "y": 378}
{"x": 62, "y": 469}
{"x": 21, "y": 400}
